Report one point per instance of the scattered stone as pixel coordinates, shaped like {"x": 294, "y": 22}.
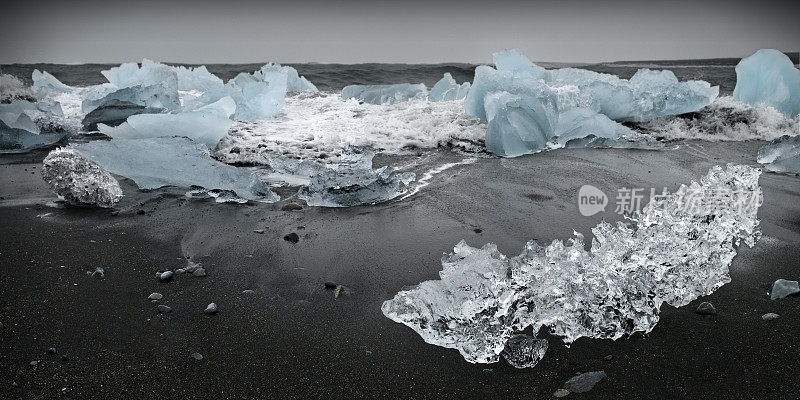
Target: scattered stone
{"x": 34, "y": 362}
{"x": 248, "y": 291}
{"x": 340, "y": 291}
{"x": 211, "y": 309}
{"x": 291, "y": 207}
{"x": 197, "y": 356}
{"x": 139, "y": 212}
{"x": 180, "y": 271}
{"x": 199, "y": 272}
{"x": 164, "y": 309}
{"x": 330, "y": 285}
{"x": 51, "y": 350}
{"x": 367, "y": 352}
{"x": 706, "y": 308}
{"x": 782, "y": 288}
{"x": 584, "y": 382}
{"x": 488, "y": 370}
{"x": 608, "y": 357}
{"x": 292, "y": 237}
{"x": 769, "y": 316}
{"x": 99, "y": 272}
{"x": 64, "y": 358}
{"x": 155, "y": 296}
{"x": 477, "y": 230}
{"x": 259, "y": 231}
{"x": 561, "y": 393}
{"x": 165, "y": 276}
{"x": 14, "y": 385}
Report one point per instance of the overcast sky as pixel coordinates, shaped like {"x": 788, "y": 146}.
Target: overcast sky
{"x": 235, "y": 31}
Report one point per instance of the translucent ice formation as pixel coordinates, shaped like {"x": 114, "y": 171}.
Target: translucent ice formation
{"x": 519, "y": 124}
{"x": 514, "y": 60}
{"x": 151, "y": 73}
{"x": 197, "y": 79}
{"x": 769, "y": 78}
{"x": 256, "y": 96}
{"x": 78, "y": 180}
{"x": 350, "y": 183}
{"x": 384, "y": 94}
{"x": 156, "y": 96}
{"x": 207, "y": 124}
{"x": 294, "y": 82}
{"x": 115, "y": 113}
{"x": 173, "y": 161}
{"x": 679, "y": 249}
{"x": 25, "y": 126}
{"x": 44, "y": 84}
{"x": 781, "y": 155}
{"x": 488, "y": 79}
{"x": 19, "y": 140}
{"x": 447, "y": 89}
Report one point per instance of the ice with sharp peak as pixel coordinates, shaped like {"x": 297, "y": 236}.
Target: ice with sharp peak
{"x": 514, "y": 60}
{"x": 78, "y": 180}
{"x": 446, "y": 89}
{"x": 115, "y": 113}
{"x": 197, "y": 78}
{"x": 294, "y": 82}
{"x": 769, "y": 78}
{"x": 174, "y": 161}
{"x": 25, "y": 125}
{"x": 781, "y": 155}
{"x": 150, "y": 73}
{"x": 349, "y": 183}
{"x": 488, "y": 79}
{"x": 44, "y": 84}
{"x": 519, "y": 124}
{"x": 677, "y": 249}
{"x": 257, "y": 96}
{"x": 207, "y": 124}
{"x": 384, "y": 94}
{"x": 155, "y": 96}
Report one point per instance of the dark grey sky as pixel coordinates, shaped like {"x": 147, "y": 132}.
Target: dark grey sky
{"x": 234, "y": 31}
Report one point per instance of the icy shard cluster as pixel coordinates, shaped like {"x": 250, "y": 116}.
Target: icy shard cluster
{"x": 781, "y": 155}
{"x": 174, "y": 161}
{"x": 446, "y": 89}
{"x": 351, "y": 182}
{"x": 384, "y": 94}
{"x": 527, "y": 107}
{"x": 769, "y": 78}
{"x": 80, "y": 181}
{"x": 25, "y": 125}
{"x": 45, "y": 84}
{"x": 679, "y": 249}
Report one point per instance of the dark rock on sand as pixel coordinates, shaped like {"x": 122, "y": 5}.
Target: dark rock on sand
{"x": 51, "y": 350}
{"x": 165, "y": 276}
{"x": 197, "y": 356}
{"x": 706, "y": 308}
{"x": 291, "y": 207}
{"x": 331, "y": 285}
{"x": 584, "y": 382}
{"x": 292, "y": 237}
{"x": 113, "y": 113}
{"x": 155, "y": 296}
{"x": 211, "y": 309}
{"x": 199, "y": 272}
{"x": 561, "y": 393}
{"x": 164, "y": 309}
{"x": 769, "y": 316}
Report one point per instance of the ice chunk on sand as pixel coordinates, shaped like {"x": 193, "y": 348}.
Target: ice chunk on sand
{"x": 519, "y": 124}
{"x": 25, "y": 126}
{"x": 384, "y": 94}
{"x": 173, "y": 161}
{"x": 352, "y": 182}
{"x": 157, "y": 96}
{"x": 257, "y": 96}
{"x": 447, "y": 89}
{"x": 514, "y": 60}
{"x": 488, "y": 79}
{"x": 78, "y": 180}
{"x": 582, "y": 127}
{"x": 679, "y": 249}
{"x": 114, "y": 113}
{"x": 207, "y": 124}
{"x": 769, "y": 78}
{"x": 584, "y": 382}
{"x": 782, "y": 288}
{"x": 781, "y": 155}
{"x": 44, "y": 84}
{"x": 294, "y": 82}
{"x": 17, "y": 140}
{"x": 524, "y": 351}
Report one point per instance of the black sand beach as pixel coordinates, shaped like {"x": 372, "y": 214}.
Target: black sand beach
{"x": 291, "y": 338}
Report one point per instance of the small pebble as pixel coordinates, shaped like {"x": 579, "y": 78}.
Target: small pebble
{"x": 199, "y": 272}
{"x": 291, "y": 207}
{"x": 584, "y": 382}
{"x": 197, "y": 356}
{"x": 488, "y": 370}
{"x": 165, "y": 276}
{"x": 34, "y": 362}
{"x": 769, "y": 316}
{"x": 706, "y": 308}
{"x": 211, "y": 309}
{"x": 64, "y": 358}
{"x": 330, "y": 285}
{"x": 340, "y": 291}
{"x": 367, "y": 352}
{"x": 155, "y": 296}
{"x": 608, "y": 357}
{"x": 477, "y": 230}
{"x": 259, "y": 231}
{"x": 292, "y": 237}
{"x": 180, "y": 271}
{"x": 164, "y": 309}
{"x": 51, "y": 350}
{"x": 248, "y": 291}
{"x": 2, "y": 326}
{"x": 561, "y": 393}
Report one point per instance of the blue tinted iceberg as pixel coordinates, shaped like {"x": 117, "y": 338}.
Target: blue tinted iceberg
{"x": 781, "y": 155}
{"x": 150, "y": 73}
{"x": 45, "y": 84}
{"x": 447, "y": 89}
{"x": 25, "y": 126}
{"x": 769, "y": 78}
{"x": 207, "y": 124}
{"x": 156, "y": 96}
{"x": 488, "y": 79}
{"x": 384, "y": 94}
{"x": 173, "y": 161}
{"x": 519, "y": 123}
{"x": 514, "y": 60}
{"x": 294, "y": 82}
{"x": 114, "y": 113}
{"x": 197, "y": 79}
{"x": 256, "y": 96}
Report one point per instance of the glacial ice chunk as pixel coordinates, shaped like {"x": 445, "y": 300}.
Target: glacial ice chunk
{"x": 446, "y": 89}
{"x": 115, "y": 113}
{"x": 156, "y": 96}
{"x": 524, "y": 351}
{"x": 769, "y": 78}
{"x": 44, "y": 84}
{"x": 18, "y": 140}
{"x": 197, "y": 79}
{"x": 351, "y": 182}
{"x": 488, "y": 79}
{"x": 173, "y": 161}
{"x": 679, "y": 248}
{"x": 257, "y": 96}
{"x": 514, "y": 60}
{"x": 294, "y": 82}
{"x": 25, "y": 126}
{"x": 151, "y": 73}
{"x": 582, "y": 127}
{"x": 519, "y": 124}
{"x": 781, "y": 155}
{"x": 78, "y": 180}
{"x": 207, "y": 124}
{"x": 782, "y": 288}
{"x": 584, "y": 382}
{"x": 384, "y": 94}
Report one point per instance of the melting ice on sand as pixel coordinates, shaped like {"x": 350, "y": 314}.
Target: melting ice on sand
{"x": 679, "y": 249}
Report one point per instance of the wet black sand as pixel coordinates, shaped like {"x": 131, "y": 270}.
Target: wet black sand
{"x": 292, "y": 339}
